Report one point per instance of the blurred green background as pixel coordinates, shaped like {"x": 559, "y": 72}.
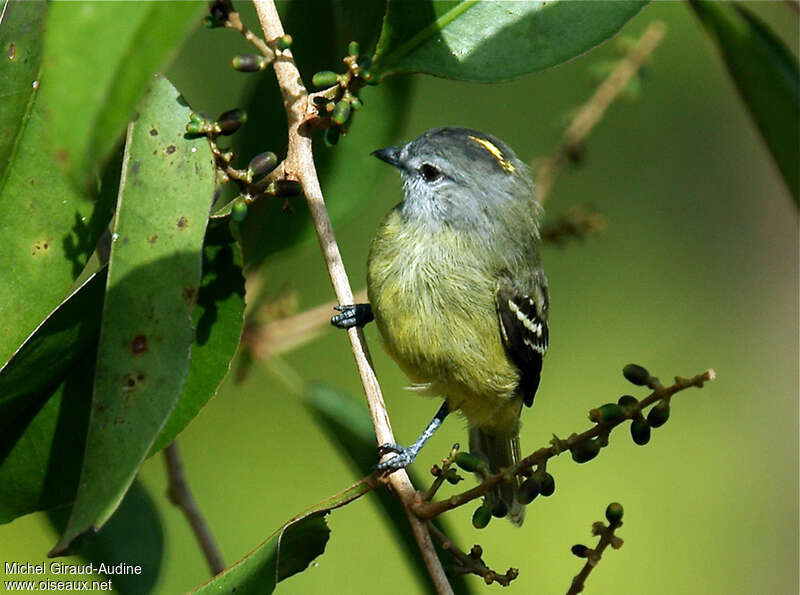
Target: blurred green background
{"x": 697, "y": 268}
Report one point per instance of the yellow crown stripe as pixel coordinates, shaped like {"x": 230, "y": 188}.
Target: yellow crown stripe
{"x": 496, "y": 153}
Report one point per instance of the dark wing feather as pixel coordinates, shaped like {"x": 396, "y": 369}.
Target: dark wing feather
{"x": 523, "y": 327}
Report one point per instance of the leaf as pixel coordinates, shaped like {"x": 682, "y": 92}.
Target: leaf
{"x": 767, "y": 76}
{"x": 287, "y": 551}
{"x": 492, "y": 41}
{"x": 347, "y": 424}
{"x": 50, "y": 230}
{"x": 133, "y": 536}
{"x": 266, "y": 229}
{"x": 47, "y": 355}
{"x": 42, "y": 451}
{"x": 21, "y": 29}
{"x": 218, "y": 318}
{"x": 99, "y": 58}
{"x": 153, "y": 280}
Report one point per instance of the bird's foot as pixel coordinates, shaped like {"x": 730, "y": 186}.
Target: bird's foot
{"x": 403, "y": 457}
{"x": 353, "y": 315}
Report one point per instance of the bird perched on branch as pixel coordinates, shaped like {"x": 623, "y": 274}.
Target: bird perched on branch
{"x": 456, "y": 287}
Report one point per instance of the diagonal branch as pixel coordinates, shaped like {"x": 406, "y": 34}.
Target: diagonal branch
{"x": 299, "y": 164}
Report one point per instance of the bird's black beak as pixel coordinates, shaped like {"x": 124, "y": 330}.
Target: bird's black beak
{"x": 390, "y": 155}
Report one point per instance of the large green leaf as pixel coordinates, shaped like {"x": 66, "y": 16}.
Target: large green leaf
{"x": 218, "y": 318}
{"x": 767, "y": 76}
{"x": 21, "y": 32}
{"x": 45, "y": 358}
{"x": 492, "y": 41}
{"x": 49, "y": 231}
{"x": 41, "y": 453}
{"x": 153, "y": 281}
{"x": 99, "y": 57}
{"x": 347, "y": 424}
{"x": 133, "y": 536}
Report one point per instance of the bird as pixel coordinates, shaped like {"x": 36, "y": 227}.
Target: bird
{"x": 457, "y": 290}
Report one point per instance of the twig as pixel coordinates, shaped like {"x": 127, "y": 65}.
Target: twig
{"x": 300, "y": 163}
{"x": 429, "y": 510}
{"x": 576, "y": 223}
{"x": 472, "y": 563}
{"x": 607, "y": 537}
{"x": 179, "y": 494}
{"x": 593, "y": 110}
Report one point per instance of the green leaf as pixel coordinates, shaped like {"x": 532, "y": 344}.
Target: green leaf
{"x": 767, "y": 76}
{"x": 21, "y": 33}
{"x": 153, "y": 280}
{"x": 99, "y": 58}
{"x": 218, "y": 318}
{"x": 50, "y": 230}
{"x": 492, "y": 41}
{"x": 348, "y": 426}
{"x": 47, "y": 355}
{"x": 42, "y": 451}
{"x": 133, "y": 536}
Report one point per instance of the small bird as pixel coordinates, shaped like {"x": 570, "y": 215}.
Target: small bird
{"x": 457, "y": 290}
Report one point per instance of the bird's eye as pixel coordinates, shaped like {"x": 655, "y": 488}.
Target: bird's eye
{"x": 429, "y": 173}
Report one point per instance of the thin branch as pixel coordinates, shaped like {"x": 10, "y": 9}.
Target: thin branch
{"x": 300, "y": 163}
{"x": 472, "y": 563}
{"x": 429, "y": 510}
{"x": 179, "y": 494}
{"x": 593, "y": 110}
{"x": 607, "y": 537}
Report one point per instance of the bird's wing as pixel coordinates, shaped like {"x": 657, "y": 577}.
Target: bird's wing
{"x": 523, "y": 328}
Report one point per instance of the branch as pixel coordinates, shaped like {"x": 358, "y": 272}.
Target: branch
{"x": 607, "y": 537}
{"x": 299, "y": 163}
{"x": 575, "y": 443}
{"x": 179, "y": 494}
{"x": 593, "y": 110}
{"x": 472, "y": 563}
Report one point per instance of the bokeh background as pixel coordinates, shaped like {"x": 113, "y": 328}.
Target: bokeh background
{"x": 697, "y": 268}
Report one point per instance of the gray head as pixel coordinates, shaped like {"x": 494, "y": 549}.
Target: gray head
{"x": 461, "y": 178}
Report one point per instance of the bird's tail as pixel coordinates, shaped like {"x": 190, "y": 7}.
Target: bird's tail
{"x": 502, "y": 451}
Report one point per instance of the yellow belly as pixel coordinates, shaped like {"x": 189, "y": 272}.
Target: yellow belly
{"x": 434, "y": 306}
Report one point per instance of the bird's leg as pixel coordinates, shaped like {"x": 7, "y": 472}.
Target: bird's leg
{"x": 405, "y": 455}
{"x": 355, "y": 315}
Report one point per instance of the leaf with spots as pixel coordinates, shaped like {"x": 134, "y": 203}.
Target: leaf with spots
{"x": 146, "y": 330}
{"x": 48, "y": 229}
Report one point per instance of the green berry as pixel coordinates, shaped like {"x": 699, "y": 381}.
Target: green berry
{"x": 285, "y": 42}
{"x": 659, "y": 414}
{"x": 239, "y": 211}
{"x": 353, "y": 49}
{"x": 608, "y": 413}
{"x": 585, "y": 451}
{"x": 195, "y": 127}
{"x": 325, "y": 78}
{"x": 547, "y": 485}
{"x": 369, "y": 78}
{"x": 263, "y": 163}
{"x": 614, "y": 513}
{"x": 364, "y": 62}
{"x": 640, "y": 431}
{"x": 468, "y": 461}
{"x": 356, "y": 103}
{"x": 249, "y": 63}
{"x": 580, "y": 550}
{"x": 636, "y": 374}
{"x": 481, "y": 517}
{"x": 331, "y": 136}
{"x": 627, "y": 402}
{"x": 230, "y": 121}
{"x": 528, "y": 490}
{"x": 341, "y": 113}
{"x": 452, "y": 476}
